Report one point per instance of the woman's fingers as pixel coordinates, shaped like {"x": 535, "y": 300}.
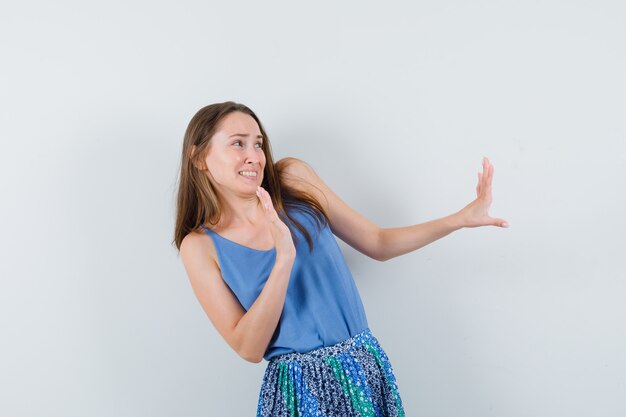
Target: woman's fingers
{"x": 266, "y": 201}
{"x": 262, "y": 194}
{"x": 486, "y": 176}
{"x": 477, "y": 212}
{"x": 486, "y": 170}
{"x": 488, "y": 182}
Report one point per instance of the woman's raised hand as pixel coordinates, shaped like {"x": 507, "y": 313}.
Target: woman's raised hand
{"x": 476, "y": 213}
{"x": 280, "y": 231}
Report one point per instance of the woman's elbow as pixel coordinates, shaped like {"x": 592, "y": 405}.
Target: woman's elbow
{"x": 254, "y": 357}
{"x": 380, "y": 258}
{"x": 378, "y": 254}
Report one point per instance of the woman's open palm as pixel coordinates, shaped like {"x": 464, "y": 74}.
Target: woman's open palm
{"x": 280, "y": 231}
{"x": 476, "y": 213}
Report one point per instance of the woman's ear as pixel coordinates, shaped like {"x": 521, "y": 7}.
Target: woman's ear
{"x": 197, "y": 164}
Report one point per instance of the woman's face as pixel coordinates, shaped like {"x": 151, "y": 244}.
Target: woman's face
{"x": 235, "y": 158}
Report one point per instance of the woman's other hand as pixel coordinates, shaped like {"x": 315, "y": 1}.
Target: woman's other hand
{"x": 476, "y": 213}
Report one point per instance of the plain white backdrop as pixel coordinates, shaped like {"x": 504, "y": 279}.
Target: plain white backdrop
{"x": 394, "y": 105}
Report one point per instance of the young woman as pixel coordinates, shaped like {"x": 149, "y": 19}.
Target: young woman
{"x": 256, "y": 239}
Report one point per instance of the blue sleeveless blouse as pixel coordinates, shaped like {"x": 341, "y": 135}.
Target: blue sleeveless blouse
{"x": 322, "y": 304}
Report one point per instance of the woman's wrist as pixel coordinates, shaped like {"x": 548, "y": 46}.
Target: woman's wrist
{"x": 457, "y": 220}
{"x": 285, "y": 259}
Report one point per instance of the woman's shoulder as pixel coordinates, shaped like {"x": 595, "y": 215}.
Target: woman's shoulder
{"x": 298, "y": 174}
{"x": 198, "y": 243}
{"x": 294, "y": 167}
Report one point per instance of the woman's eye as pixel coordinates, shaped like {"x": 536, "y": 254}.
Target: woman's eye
{"x": 238, "y": 142}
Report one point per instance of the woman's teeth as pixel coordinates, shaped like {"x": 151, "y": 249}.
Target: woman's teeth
{"x": 248, "y": 174}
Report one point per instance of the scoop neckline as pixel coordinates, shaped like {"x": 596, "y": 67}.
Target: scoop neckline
{"x": 238, "y": 244}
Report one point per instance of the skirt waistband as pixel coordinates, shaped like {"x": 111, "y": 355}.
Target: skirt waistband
{"x": 364, "y": 337}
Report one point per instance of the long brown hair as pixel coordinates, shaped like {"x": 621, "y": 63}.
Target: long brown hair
{"x": 197, "y": 201}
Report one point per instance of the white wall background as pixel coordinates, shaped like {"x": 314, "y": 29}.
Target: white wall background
{"x": 394, "y": 105}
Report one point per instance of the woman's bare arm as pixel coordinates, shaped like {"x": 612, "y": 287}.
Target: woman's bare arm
{"x": 248, "y": 333}
{"x": 386, "y": 243}
{"x": 400, "y": 240}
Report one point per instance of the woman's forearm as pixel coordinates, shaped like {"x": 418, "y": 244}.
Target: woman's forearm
{"x": 257, "y": 326}
{"x": 398, "y": 241}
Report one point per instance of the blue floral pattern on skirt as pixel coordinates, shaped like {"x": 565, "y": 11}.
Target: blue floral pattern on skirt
{"x": 353, "y": 378}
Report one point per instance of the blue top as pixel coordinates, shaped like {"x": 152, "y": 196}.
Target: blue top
{"x": 322, "y": 305}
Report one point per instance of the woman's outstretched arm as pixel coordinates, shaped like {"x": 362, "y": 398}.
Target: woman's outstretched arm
{"x": 387, "y": 243}
{"x": 401, "y": 240}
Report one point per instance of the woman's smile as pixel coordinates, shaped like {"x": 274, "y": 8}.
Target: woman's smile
{"x": 249, "y": 175}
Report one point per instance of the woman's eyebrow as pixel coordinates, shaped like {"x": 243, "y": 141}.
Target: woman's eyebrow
{"x": 245, "y": 135}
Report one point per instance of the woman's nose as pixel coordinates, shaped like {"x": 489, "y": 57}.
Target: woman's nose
{"x": 252, "y": 154}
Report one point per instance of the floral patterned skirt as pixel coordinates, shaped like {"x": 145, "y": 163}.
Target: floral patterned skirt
{"x": 353, "y": 378}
